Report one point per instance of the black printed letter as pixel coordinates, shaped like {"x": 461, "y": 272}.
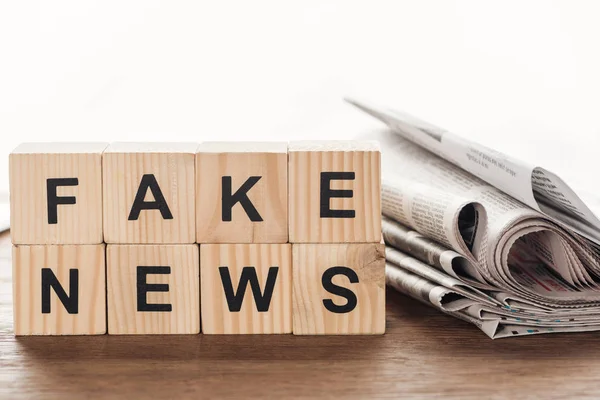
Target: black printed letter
{"x": 71, "y": 302}
{"x": 240, "y": 196}
{"x": 234, "y": 300}
{"x": 143, "y": 288}
{"x": 327, "y": 193}
{"x": 54, "y": 200}
{"x": 159, "y": 203}
{"x": 328, "y": 285}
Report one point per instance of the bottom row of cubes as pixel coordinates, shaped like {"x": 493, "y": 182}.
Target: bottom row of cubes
{"x": 306, "y": 289}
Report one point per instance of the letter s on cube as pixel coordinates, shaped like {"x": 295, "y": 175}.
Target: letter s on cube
{"x": 338, "y": 289}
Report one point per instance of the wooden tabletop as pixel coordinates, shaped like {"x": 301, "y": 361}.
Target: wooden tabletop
{"x": 423, "y": 353}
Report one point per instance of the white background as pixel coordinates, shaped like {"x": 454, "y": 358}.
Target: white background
{"x": 521, "y": 76}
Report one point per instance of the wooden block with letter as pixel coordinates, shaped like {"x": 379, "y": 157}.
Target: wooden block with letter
{"x": 246, "y": 288}
{"x": 338, "y": 288}
{"x": 153, "y": 289}
{"x": 335, "y": 192}
{"x": 242, "y": 192}
{"x": 59, "y": 290}
{"x": 149, "y": 193}
{"x": 56, "y": 193}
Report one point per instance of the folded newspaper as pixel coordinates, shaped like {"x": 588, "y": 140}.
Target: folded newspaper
{"x": 492, "y": 240}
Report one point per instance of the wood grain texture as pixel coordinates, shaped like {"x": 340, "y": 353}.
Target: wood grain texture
{"x": 269, "y": 195}
{"x": 183, "y": 289}
{"x": 307, "y": 160}
{"x": 216, "y": 315}
{"x": 31, "y": 164}
{"x": 424, "y": 353}
{"x": 172, "y": 164}
{"x": 28, "y": 262}
{"x": 309, "y": 263}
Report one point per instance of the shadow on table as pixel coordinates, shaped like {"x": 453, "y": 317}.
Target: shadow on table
{"x": 413, "y": 329}
{"x": 421, "y": 349}
{"x": 430, "y": 331}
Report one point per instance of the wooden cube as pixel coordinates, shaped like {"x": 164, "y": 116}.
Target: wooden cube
{"x": 59, "y": 290}
{"x": 246, "y": 288}
{"x": 242, "y": 192}
{"x": 335, "y": 192}
{"x": 153, "y": 289}
{"x": 149, "y": 194}
{"x": 338, "y": 288}
{"x": 56, "y": 193}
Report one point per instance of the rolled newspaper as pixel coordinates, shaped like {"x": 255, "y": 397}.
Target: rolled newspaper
{"x": 509, "y": 268}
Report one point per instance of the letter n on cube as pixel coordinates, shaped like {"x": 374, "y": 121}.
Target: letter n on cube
{"x": 59, "y": 289}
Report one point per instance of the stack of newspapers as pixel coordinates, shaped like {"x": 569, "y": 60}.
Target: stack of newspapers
{"x": 492, "y": 240}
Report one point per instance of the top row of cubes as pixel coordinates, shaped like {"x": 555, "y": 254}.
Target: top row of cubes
{"x": 215, "y": 192}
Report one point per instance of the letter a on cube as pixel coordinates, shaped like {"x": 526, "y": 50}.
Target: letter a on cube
{"x": 335, "y": 192}
{"x": 149, "y": 193}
